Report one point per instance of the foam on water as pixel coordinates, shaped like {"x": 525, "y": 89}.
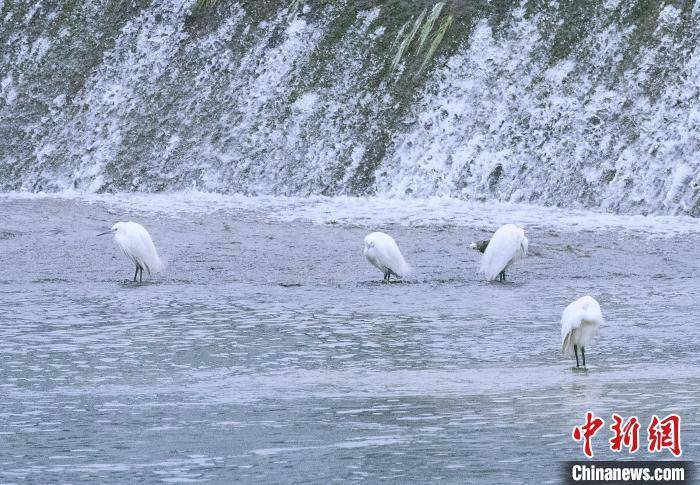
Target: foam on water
{"x": 381, "y": 211}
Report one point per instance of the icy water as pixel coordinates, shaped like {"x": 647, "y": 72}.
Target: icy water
{"x": 270, "y": 352}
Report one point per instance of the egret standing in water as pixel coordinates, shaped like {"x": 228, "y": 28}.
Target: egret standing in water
{"x": 507, "y": 245}
{"x": 381, "y": 250}
{"x": 135, "y": 242}
{"x": 579, "y": 326}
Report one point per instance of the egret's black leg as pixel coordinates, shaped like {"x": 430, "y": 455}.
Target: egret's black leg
{"x": 136, "y": 273}
{"x": 141, "y": 276}
{"x": 388, "y": 277}
{"x": 576, "y": 354}
{"x": 583, "y": 354}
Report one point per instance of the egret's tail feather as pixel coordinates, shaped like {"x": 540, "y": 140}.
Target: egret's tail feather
{"x": 157, "y": 265}
{"x": 162, "y": 264}
{"x": 402, "y": 270}
{"x": 567, "y": 345}
{"x": 154, "y": 265}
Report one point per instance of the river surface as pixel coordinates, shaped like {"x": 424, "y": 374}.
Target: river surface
{"x": 270, "y": 351}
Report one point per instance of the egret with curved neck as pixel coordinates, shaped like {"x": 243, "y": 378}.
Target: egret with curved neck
{"x": 579, "y": 326}
{"x": 135, "y": 242}
{"x": 382, "y": 251}
{"x": 507, "y": 245}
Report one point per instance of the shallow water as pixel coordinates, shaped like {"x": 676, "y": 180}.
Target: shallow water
{"x": 270, "y": 352}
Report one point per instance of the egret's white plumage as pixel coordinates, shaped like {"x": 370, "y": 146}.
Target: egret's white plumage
{"x": 579, "y": 326}
{"x": 381, "y": 250}
{"x": 135, "y": 242}
{"x": 507, "y": 245}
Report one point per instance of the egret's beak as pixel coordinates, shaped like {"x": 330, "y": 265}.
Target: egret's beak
{"x": 106, "y": 232}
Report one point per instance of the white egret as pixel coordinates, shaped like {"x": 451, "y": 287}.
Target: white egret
{"x": 135, "y": 242}
{"x": 381, "y": 250}
{"x": 507, "y": 245}
{"x": 579, "y": 326}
